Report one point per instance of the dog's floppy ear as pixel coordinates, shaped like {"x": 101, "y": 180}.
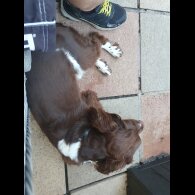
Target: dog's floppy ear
{"x": 92, "y": 114}
{"x": 100, "y": 120}
{"x": 108, "y": 165}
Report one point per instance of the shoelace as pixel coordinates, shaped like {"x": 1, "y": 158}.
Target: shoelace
{"x": 106, "y": 8}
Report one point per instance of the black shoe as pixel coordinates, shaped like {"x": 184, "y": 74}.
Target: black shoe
{"x": 106, "y": 16}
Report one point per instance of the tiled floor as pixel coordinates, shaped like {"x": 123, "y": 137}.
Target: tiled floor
{"x": 144, "y": 39}
{"x": 48, "y": 167}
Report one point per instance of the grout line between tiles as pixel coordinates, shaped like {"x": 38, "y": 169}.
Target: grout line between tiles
{"x": 95, "y": 182}
{"x": 117, "y": 97}
{"x": 155, "y": 92}
{"x": 66, "y": 179}
{"x": 140, "y": 78}
{"x": 146, "y": 10}
{"x": 138, "y": 4}
{"x": 139, "y": 34}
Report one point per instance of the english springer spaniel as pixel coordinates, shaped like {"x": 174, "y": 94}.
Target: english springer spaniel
{"x": 74, "y": 121}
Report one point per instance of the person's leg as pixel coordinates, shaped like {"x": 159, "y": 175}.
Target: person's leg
{"x": 86, "y": 5}
{"x": 102, "y": 14}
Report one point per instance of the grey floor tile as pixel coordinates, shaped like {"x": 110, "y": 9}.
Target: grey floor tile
{"x": 126, "y": 3}
{"x": 112, "y": 186}
{"x": 127, "y": 107}
{"x": 84, "y": 174}
{"x": 163, "y": 5}
{"x": 48, "y": 167}
{"x": 156, "y": 117}
{"x": 155, "y": 52}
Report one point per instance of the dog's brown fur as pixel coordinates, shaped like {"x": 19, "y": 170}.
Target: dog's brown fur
{"x": 64, "y": 113}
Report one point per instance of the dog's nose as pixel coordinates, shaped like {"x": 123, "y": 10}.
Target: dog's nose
{"x": 136, "y": 125}
{"x": 140, "y": 126}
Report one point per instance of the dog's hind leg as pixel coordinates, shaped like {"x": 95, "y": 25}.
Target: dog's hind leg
{"x": 113, "y": 49}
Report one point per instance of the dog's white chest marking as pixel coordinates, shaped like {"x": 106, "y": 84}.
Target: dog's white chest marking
{"x": 114, "y": 50}
{"x": 75, "y": 64}
{"x": 69, "y": 150}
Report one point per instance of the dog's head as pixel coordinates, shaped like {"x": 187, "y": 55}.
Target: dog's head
{"x": 111, "y": 142}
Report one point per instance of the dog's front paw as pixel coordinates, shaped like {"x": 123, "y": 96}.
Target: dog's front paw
{"x": 103, "y": 67}
{"x": 114, "y": 49}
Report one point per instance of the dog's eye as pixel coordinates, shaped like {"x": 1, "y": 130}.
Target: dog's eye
{"x": 116, "y": 116}
{"x": 118, "y": 120}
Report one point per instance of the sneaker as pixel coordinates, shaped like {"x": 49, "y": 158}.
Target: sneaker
{"x": 106, "y": 16}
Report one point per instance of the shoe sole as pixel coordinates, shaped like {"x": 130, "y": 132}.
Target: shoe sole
{"x": 65, "y": 14}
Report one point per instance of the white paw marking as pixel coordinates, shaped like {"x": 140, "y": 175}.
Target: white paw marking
{"x": 69, "y": 150}
{"x": 103, "y": 67}
{"x": 114, "y": 50}
{"x": 79, "y": 71}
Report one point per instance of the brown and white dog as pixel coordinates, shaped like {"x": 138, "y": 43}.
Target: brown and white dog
{"x": 76, "y": 123}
